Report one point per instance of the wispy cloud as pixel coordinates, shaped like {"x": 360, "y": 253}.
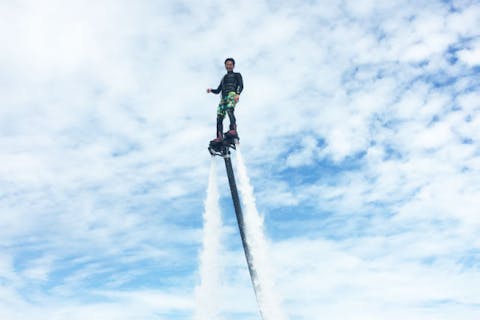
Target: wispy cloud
{"x": 359, "y": 125}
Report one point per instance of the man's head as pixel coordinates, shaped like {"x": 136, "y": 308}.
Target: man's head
{"x": 229, "y": 64}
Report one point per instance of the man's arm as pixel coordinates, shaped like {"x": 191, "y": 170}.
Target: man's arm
{"x": 239, "y": 83}
{"x": 217, "y": 91}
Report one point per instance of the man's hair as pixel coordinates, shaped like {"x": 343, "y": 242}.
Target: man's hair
{"x": 229, "y": 59}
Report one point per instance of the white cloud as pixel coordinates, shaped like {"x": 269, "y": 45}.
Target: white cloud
{"x": 359, "y": 130}
{"x": 470, "y": 56}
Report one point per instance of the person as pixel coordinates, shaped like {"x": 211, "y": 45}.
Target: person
{"x": 230, "y": 86}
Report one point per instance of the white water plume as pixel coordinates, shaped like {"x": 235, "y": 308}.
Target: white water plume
{"x": 207, "y": 293}
{"x": 264, "y": 286}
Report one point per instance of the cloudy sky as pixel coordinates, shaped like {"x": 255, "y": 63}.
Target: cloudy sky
{"x": 359, "y": 126}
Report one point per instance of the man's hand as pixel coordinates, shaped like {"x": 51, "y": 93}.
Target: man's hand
{"x": 209, "y": 90}
{"x": 236, "y": 98}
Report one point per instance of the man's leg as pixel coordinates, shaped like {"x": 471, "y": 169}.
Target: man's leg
{"x": 230, "y": 108}
{"x": 233, "y": 121}
{"x": 220, "y": 117}
{"x": 220, "y": 125}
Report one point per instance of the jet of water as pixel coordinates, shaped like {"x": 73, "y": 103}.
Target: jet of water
{"x": 264, "y": 286}
{"x": 207, "y": 294}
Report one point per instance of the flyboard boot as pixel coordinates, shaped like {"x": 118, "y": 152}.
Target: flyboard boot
{"x": 232, "y": 134}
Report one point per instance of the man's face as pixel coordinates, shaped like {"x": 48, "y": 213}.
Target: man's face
{"x": 229, "y": 65}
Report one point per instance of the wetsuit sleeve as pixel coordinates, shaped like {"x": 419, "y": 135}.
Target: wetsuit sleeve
{"x": 217, "y": 91}
{"x": 239, "y": 83}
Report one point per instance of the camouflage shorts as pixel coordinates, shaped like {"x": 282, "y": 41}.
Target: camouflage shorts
{"x": 226, "y": 103}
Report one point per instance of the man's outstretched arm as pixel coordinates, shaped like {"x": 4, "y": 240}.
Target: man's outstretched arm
{"x": 216, "y": 91}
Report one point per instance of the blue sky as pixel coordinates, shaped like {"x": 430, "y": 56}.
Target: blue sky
{"x": 359, "y": 127}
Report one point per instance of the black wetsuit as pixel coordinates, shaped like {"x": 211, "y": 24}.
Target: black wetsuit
{"x": 231, "y": 82}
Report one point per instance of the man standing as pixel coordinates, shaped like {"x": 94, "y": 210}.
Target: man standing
{"x": 231, "y": 86}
